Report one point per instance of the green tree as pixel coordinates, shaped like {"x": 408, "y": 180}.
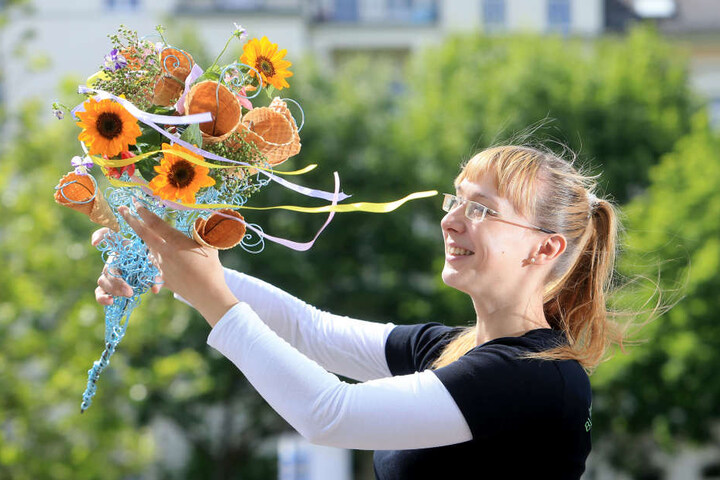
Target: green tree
{"x": 667, "y": 387}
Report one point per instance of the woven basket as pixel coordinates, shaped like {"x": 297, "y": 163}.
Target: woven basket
{"x": 272, "y": 130}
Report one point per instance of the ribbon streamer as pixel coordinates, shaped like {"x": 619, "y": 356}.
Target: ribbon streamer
{"x": 145, "y": 118}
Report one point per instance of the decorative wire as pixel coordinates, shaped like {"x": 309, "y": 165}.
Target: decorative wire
{"x": 239, "y": 79}
{"x": 302, "y": 113}
{"x": 176, "y": 62}
{"x": 250, "y": 245}
{"x": 78, "y": 202}
{"x": 126, "y": 257}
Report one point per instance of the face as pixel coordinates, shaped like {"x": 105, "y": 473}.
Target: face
{"x": 488, "y": 257}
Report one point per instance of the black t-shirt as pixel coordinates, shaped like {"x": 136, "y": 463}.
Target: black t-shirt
{"x": 529, "y": 418}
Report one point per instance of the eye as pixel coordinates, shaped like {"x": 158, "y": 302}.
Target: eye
{"x": 476, "y": 211}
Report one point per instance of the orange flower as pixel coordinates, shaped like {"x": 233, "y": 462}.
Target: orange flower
{"x": 108, "y": 128}
{"x": 263, "y": 55}
{"x": 178, "y": 178}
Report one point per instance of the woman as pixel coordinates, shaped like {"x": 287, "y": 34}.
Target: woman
{"x": 530, "y": 244}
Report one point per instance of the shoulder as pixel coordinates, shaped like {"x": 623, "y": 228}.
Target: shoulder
{"x": 494, "y": 385}
{"x": 412, "y": 348}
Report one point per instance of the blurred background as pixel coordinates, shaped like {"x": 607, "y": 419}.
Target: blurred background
{"x": 397, "y": 93}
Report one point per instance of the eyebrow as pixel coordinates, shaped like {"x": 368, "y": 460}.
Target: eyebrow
{"x": 480, "y": 195}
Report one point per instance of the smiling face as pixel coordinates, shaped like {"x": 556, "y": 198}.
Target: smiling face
{"x": 487, "y": 258}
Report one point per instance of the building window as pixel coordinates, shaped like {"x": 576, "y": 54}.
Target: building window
{"x": 346, "y": 11}
{"x": 559, "y": 16}
{"x": 122, "y": 4}
{"x": 493, "y": 15}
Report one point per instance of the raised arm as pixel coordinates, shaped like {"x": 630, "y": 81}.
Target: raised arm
{"x": 401, "y": 412}
{"x": 346, "y": 346}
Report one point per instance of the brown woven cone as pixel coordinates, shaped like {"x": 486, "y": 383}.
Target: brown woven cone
{"x": 75, "y": 190}
{"x": 218, "y": 231}
{"x": 167, "y": 90}
{"x": 226, "y": 110}
{"x": 270, "y": 130}
{"x": 176, "y": 65}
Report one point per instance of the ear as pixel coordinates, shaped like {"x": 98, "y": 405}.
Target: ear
{"x": 551, "y": 248}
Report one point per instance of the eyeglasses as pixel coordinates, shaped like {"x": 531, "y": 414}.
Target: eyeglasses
{"x": 477, "y": 212}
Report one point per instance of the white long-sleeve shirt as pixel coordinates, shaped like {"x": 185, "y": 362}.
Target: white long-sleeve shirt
{"x": 286, "y": 349}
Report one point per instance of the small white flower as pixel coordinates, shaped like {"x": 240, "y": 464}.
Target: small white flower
{"x": 240, "y": 31}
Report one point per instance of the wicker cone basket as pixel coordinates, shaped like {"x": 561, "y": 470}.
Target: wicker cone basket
{"x": 171, "y": 83}
{"x": 225, "y": 109}
{"x": 218, "y": 231}
{"x": 75, "y": 191}
{"x": 272, "y": 130}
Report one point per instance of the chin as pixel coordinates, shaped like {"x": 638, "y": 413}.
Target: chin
{"x": 452, "y": 278}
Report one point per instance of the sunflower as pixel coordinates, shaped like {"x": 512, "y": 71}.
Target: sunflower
{"x": 263, "y": 55}
{"x": 179, "y": 178}
{"x": 108, "y": 128}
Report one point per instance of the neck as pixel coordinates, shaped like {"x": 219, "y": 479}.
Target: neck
{"x": 508, "y": 320}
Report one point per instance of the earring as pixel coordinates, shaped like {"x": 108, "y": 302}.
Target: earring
{"x": 532, "y": 260}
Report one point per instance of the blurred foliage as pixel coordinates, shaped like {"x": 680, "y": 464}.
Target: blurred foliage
{"x": 667, "y": 387}
{"x": 622, "y": 103}
{"x": 51, "y": 330}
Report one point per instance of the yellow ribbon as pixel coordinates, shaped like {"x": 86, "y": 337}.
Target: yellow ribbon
{"x": 371, "y": 207}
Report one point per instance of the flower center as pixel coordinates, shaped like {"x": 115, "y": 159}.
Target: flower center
{"x": 181, "y": 174}
{"x": 109, "y": 125}
{"x": 265, "y": 66}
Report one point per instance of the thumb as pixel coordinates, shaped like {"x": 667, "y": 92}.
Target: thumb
{"x": 98, "y": 236}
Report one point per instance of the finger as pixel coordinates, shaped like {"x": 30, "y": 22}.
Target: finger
{"x": 150, "y": 238}
{"x": 155, "y": 223}
{"x": 114, "y": 286}
{"x": 102, "y": 297}
{"x": 98, "y": 236}
{"x": 157, "y": 286}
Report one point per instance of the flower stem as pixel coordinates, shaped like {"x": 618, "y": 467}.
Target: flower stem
{"x": 221, "y": 53}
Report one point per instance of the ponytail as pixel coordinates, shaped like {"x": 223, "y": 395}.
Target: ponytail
{"x": 577, "y": 303}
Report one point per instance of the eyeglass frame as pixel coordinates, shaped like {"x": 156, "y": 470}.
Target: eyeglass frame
{"x": 485, "y": 211}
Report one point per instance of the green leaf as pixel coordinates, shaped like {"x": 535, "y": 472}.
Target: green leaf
{"x": 160, "y": 110}
{"x": 212, "y": 73}
{"x": 145, "y": 167}
{"x": 149, "y": 138}
{"x": 270, "y": 91}
{"x": 193, "y": 135}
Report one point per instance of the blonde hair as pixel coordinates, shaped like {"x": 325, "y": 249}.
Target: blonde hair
{"x": 555, "y": 195}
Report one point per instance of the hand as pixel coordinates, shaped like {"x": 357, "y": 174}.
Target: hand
{"x": 109, "y": 283}
{"x": 188, "y": 269}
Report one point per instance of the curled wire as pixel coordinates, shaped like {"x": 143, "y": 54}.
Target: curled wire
{"x": 249, "y": 244}
{"x": 302, "y": 113}
{"x": 92, "y": 193}
{"x": 237, "y": 81}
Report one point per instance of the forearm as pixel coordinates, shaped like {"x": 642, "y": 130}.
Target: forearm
{"x": 350, "y": 347}
{"x": 413, "y": 411}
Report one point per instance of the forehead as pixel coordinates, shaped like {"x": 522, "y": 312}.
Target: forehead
{"x": 483, "y": 190}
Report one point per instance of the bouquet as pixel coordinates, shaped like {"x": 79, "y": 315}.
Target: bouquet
{"x": 192, "y": 146}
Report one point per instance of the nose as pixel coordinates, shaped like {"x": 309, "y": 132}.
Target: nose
{"x": 454, "y": 220}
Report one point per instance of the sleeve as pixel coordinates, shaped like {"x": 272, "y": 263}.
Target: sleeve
{"x": 401, "y": 412}
{"x": 346, "y": 346}
{"x": 413, "y": 348}
{"x": 498, "y": 392}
